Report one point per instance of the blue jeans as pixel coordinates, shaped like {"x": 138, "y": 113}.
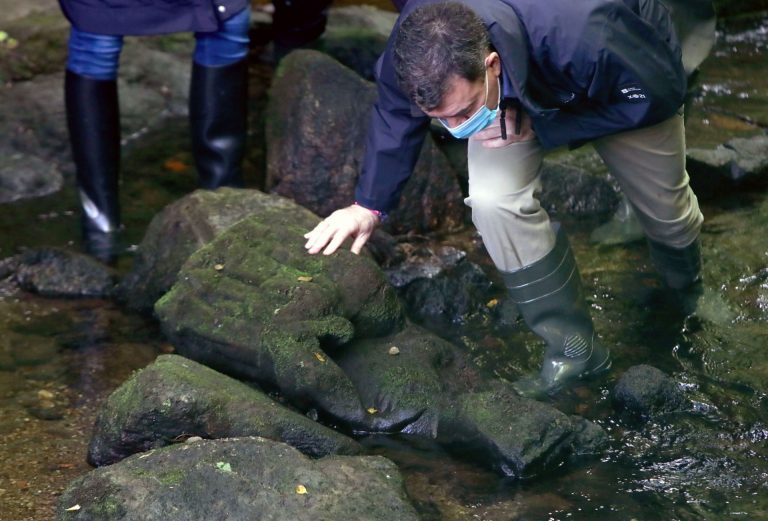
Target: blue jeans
{"x": 97, "y": 56}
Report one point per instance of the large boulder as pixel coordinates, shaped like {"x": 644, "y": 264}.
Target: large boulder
{"x": 317, "y": 120}
{"x": 186, "y": 225}
{"x": 356, "y": 35}
{"x": 252, "y": 303}
{"x": 238, "y": 479}
{"x": 429, "y": 388}
{"x": 175, "y": 398}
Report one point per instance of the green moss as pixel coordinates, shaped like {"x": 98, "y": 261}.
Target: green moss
{"x": 172, "y": 477}
{"x": 108, "y": 507}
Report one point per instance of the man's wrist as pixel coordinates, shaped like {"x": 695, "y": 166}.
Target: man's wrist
{"x": 378, "y": 213}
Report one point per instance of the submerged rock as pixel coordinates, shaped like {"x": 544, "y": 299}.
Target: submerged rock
{"x": 428, "y": 388}
{"x": 519, "y": 437}
{"x": 175, "y": 398}
{"x": 252, "y": 303}
{"x": 316, "y": 129}
{"x": 441, "y": 285}
{"x": 238, "y": 478}
{"x": 644, "y": 390}
{"x": 53, "y": 272}
{"x": 186, "y": 225}
{"x": 574, "y": 191}
{"x": 25, "y": 176}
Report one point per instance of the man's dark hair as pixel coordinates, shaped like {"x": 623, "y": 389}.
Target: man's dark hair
{"x": 434, "y": 43}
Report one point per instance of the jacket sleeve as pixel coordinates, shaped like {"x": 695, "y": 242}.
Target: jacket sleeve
{"x": 395, "y": 137}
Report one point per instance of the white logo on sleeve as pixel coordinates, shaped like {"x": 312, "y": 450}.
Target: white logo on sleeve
{"x": 632, "y": 93}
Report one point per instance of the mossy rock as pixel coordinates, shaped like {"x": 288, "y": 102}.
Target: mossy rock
{"x": 176, "y": 398}
{"x": 238, "y": 478}
{"x": 253, "y": 304}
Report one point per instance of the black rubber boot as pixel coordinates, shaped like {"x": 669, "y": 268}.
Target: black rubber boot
{"x": 680, "y": 267}
{"x": 93, "y": 119}
{"x": 218, "y": 113}
{"x": 681, "y": 270}
{"x": 550, "y": 298}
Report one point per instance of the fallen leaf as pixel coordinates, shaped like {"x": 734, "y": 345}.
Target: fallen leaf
{"x": 74, "y": 508}
{"x": 304, "y": 279}
{"x": 301, "y": 489}
{"x": 320, "y": 357}
{"x": 394, "y": 350}
{"x": 224, "y": 466}
{"x": 218, "y": 267}
{"x": 175, "y": 165}
{"x": 372, "y": 410}
{"x": 493, "y": 303}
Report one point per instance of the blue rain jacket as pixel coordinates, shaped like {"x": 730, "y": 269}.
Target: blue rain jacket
{"x": 580, "y": 69}
{"x": 145, "y": 17}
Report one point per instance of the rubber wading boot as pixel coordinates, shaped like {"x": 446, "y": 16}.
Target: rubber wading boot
{"x": 550, "y": 298}
{"x": 681, "y": 270}
{"x": 218, "y": 113}
{"x": 93, "y": 119}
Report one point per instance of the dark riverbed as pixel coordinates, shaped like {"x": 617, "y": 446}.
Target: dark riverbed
{"x": 709, "y": 462}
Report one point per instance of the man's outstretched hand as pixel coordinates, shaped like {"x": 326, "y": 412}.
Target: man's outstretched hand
{"x": 352, "y": 221}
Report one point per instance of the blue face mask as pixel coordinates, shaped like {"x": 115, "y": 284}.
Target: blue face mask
{"x": 477, "y": 121}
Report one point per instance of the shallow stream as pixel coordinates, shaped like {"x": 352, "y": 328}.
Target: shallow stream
{"x": 707, "y": 463}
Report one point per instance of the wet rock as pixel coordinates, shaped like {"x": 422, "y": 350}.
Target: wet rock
{"x": 38, "y": 50}
{"x": 53, "y": 272}
{"x": 429, "y": 389}
{"x": 644, "y": 390}
{"x": 186, "y": 225}
{"x": 28, "y": 350}
{"x": 234, "y": 479}
{"x": 44, "y": 404}
{"x": 356, "y": 35}
{"x": 406, "y": 392}
{"x": 735, "y": 161}
{"x": 440, "y": 284}
{"x": 573, "y": 191}
{"x": 517, "y": 436}
{"x": 317, "y": 121}
{"x": 174, "y": 398}
{"x": 24, "y": 176}
{"x": 253, "y": 304}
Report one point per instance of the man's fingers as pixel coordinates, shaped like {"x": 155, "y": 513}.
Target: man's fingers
{"x": 360, "y": 240}
{"x": 319, "y": 238}
{"x": 338, "y": 240}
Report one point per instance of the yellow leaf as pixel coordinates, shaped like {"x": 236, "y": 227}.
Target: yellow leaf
{"x": 492, "y": 303}
{"x": 301, "y": 489}
{"x": 320, "y": 357}
{"x": 304, "y": 279}
{"x": 218, "y": 267}
{"x": 72, "y": 509}
{"x": 372, "y": 410}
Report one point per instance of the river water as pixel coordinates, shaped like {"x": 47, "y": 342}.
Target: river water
{"x": 709, "y": 462}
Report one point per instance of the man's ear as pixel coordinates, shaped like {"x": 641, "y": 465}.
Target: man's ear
{"x": 493, "y": 62}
